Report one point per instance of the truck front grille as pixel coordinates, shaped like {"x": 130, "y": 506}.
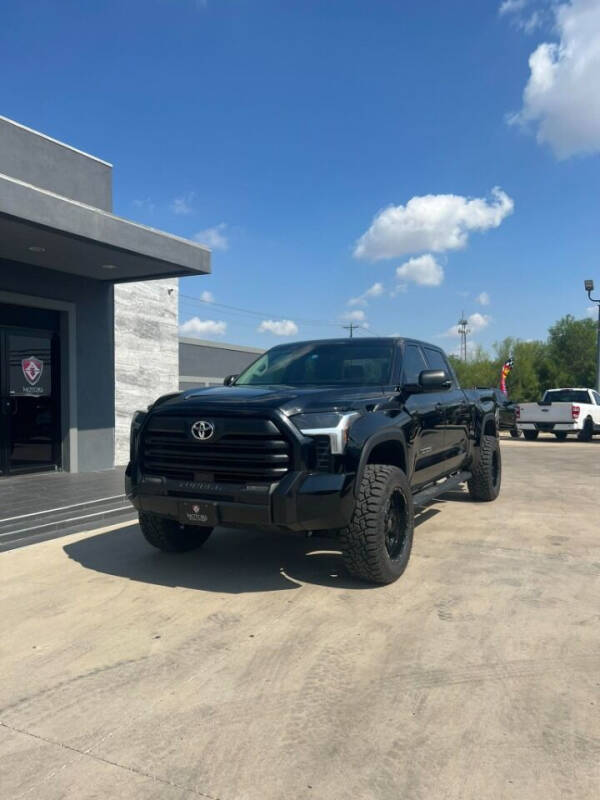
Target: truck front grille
{"x": 240, "y": 451}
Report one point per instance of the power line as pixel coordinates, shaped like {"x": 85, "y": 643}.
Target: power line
{"x": 238, "y": 310}
{"x": 261, "y": 314}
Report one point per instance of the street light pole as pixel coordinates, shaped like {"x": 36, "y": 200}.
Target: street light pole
{"x": 589, "y": 287}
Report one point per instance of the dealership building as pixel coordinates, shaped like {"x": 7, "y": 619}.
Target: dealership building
{"x": 88, "y": 311}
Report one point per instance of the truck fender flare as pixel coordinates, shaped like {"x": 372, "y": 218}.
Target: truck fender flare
{"x": 487, "y": 423}
{"x": 372, "y": 442}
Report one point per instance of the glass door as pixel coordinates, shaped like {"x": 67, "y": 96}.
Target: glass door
{"x": 29, "y": 400}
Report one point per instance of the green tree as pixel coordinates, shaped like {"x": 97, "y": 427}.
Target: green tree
{"x": 567, "y": 358}
{"x": 572, "y": 351}
{"x": 479, "y": 370}
{"x": 531, "y": 374}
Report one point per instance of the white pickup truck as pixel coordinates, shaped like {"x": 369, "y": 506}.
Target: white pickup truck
{"x": 561, "y": 412}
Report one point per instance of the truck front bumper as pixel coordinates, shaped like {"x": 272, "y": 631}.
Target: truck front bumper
{"x": 301, "y": 501}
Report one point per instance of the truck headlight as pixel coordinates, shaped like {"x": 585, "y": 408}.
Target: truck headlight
{"x": 137, "y": 421}
{"x": 327, "y": 423}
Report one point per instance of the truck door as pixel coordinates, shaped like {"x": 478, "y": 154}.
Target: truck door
{"x": 457, "y": 420}
{"x": 426, "y": 440}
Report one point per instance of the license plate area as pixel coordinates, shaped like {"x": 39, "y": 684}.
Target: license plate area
{"x": 199, "y": 512}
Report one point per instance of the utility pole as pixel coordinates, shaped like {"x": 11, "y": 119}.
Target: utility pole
{"x": 463, "y": 331}
{"x": 589, "y": 287}
{"x": 351, "y": 327}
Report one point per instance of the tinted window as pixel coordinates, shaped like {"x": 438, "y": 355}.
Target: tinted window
{"x": 596, "y": 398}
{"x": 322, "y": 364}
{"x": 566, "y": 396}
{"x": 414, "y": 363}
{"x": 436, "y": 360}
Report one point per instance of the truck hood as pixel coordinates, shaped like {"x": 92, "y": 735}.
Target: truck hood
{"x": 288, "y": 399}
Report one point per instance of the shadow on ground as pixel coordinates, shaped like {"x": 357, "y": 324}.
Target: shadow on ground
{"x": 232, "y": 561}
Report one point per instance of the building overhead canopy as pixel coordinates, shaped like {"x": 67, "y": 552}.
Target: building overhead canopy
{"x": 49, "y": 230}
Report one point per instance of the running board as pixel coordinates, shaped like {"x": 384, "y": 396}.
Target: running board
{"x": 431, "y": 492}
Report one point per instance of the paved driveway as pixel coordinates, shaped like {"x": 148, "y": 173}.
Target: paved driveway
{"x": 255, "y": 669}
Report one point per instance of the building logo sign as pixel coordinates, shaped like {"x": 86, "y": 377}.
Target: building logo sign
{"x": 203, "y": 430}
{"x": 32, "y": 369}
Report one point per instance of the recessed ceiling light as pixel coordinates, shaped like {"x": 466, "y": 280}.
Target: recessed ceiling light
{"x": 109, "y": 266}
{"x": 36, "y": 248}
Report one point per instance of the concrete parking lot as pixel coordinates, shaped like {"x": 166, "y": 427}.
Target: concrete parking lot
{"x": 255, "y": 669}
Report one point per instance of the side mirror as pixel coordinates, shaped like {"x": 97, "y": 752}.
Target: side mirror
{"x": 431, "y": 380}
{"x": 230, "y": 380}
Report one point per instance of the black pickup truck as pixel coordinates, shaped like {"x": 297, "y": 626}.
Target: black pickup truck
{"x": 338, "y": 435}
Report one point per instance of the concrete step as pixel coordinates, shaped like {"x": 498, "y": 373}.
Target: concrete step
{"x": 19, "y": 529}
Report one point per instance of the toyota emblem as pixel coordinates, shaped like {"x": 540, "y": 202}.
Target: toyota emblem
{"x": 203, "y": 430}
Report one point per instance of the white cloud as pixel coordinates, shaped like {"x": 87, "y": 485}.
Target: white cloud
{"x": 532, "y": 22}
{"x": 483, "y": 299}
{"x": 510, "y": 6}
{"x": 422, "y": 270}
{"x": 561, "y": 100}
{"x": 592, "y": 311}
{"x": 521, "y": 15}
{"x": 435, "y": 222}
{"x": 214, "y": 238}
{"x": 354, "y": 316}
{"x": 145, "y": 203}
{"x": 363, "y": 299}
{"x": 455, "y": 350}
{"x": 476, "y": 322}
{"x": 183, "y": 203}
{"x": 207, "y": 297}
{"x": 202, "y": 327}
{"x": 399, "y": 288}
{"x": 278, "y": 327}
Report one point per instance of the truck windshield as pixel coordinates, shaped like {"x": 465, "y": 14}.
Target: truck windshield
{"x": 566, "y": 396}
{"x": 322, "y": 364}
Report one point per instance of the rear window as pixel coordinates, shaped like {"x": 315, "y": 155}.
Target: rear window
{"x": 567, "y": 396}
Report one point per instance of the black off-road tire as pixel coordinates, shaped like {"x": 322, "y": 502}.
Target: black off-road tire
{"x": 531, "y": 436}
{"x": 560, "y": 435}
{"x": 484, "y": 484}
{"x": 515, "y": 433}
{"x": 171, "y": 537}
{"x": 586, "y": 434}
{"x": 376, "y": 544}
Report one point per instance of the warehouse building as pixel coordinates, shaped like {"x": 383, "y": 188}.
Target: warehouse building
{"x": 204, "y": 363}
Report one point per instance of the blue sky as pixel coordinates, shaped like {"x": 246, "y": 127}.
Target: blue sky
{"x": 278, "y": 131}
